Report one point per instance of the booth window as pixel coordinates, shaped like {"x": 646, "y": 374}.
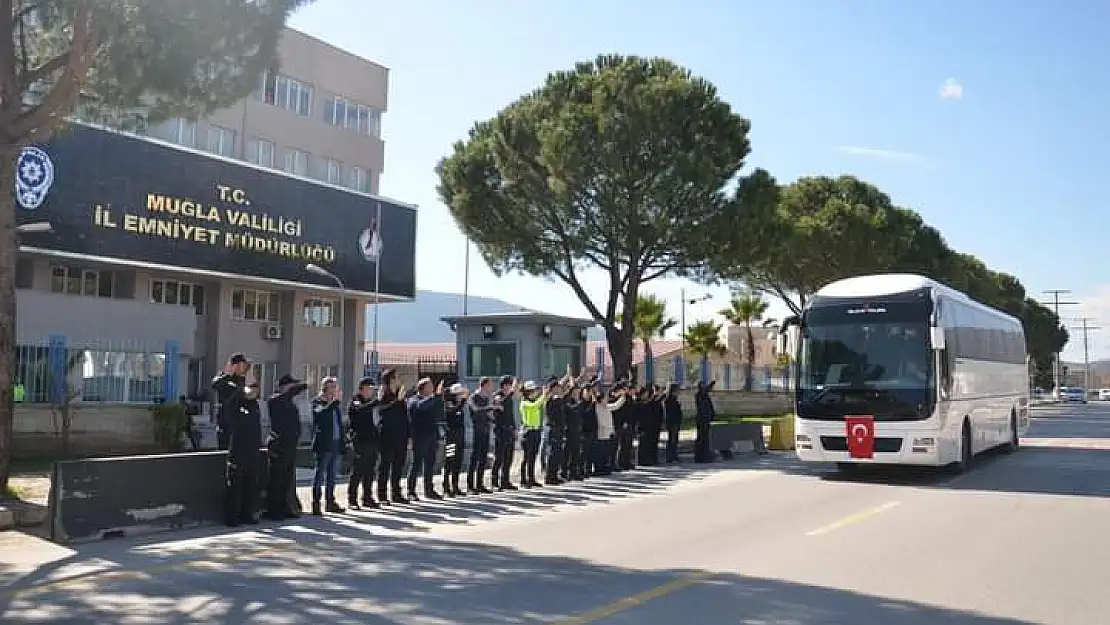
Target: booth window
{"x": 319, "y": 313}
{"x": 491, "y": 359}
{"x": 73, "y": 280}
{"x": 556, "y": 359}
{"x": 177, "y": 294}
{"x": 253, "y": 305}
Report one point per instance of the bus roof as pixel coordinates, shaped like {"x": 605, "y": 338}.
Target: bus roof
{"x": 877, "y": 285}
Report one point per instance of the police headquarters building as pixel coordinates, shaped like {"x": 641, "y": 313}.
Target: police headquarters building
{"x": 160, "y": 261}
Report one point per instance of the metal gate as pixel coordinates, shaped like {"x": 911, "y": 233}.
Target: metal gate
{"x": 438, "y": 369}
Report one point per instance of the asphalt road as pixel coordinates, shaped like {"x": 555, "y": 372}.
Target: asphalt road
{"x": 1021, "y": 539}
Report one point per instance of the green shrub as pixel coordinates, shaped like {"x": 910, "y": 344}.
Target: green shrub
{"x": 169, "y": 425}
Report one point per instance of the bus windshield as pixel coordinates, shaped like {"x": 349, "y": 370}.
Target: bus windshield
{"x": 877, "y": 355}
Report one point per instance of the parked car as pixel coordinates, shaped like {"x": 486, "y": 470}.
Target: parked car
{"x": 1069, "y": 394}
{"x": 1104, "y": 394}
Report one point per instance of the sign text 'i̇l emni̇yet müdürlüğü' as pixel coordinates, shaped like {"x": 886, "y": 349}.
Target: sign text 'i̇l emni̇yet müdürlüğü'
{"x": 229, "y": 222}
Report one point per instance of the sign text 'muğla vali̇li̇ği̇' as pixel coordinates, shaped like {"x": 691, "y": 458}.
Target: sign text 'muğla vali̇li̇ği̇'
{"x": 185, "y": 219}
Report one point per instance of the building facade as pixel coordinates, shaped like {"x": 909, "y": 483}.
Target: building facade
{"x": 167, "y": 253}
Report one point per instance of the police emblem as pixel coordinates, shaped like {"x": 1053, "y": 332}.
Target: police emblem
{"x": 34, "y": 175}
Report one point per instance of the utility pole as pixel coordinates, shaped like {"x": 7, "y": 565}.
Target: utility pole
{"x": 1085, "y": 327}
{"x": 1056, "y": 303}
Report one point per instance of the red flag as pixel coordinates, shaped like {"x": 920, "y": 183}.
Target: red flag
{"x": 861, "y": 436}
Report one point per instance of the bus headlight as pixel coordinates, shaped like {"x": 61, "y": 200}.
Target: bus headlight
{"x": 803, "y": 441}
{"x": 924, "y": 445}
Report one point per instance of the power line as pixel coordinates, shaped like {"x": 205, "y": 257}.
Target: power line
{"x": 1056, "y": 303}
{"x": 1085, "y": 326}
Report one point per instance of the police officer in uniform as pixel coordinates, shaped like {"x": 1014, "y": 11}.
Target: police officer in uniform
{"x": 362, "y": 413}
{"x": 556, "y": 429}
{"x": 394, "y": 431}
{"x": 504, "y": 432}
{"x": 482, "y": 414}
{"x": 285, "y": 433}
{"x": 454, "y": 446}
{"x": 237, "y": 392}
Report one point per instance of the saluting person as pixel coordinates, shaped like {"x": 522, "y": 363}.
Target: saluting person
{"x": 454, "y": 414}
{"x": 237, "y": 393}
{"x": 362, "y": 415}
{"x": 285, "y": 434}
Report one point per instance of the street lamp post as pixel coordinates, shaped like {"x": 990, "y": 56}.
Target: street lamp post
{"x": 682, "y": 316}
{"x": 324, "y": 273}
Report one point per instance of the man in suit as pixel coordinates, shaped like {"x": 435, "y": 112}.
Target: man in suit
{"x": 362, "y": 416}
{"x": 327, "y": 444}
{"x": 285, "y": 433}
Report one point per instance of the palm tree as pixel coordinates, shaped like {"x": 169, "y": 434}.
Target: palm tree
{"x": 650, "y": 322}
{"x": 747, "y": 309}
{"x": 704, "y": 338}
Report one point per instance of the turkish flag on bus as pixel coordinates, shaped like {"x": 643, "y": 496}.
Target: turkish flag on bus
{"x": 861, "y": 436}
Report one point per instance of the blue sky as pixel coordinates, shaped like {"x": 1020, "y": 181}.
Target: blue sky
{"x": 1010, "y": 170}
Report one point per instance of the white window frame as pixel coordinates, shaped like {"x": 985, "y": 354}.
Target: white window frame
{"x": 359, "y": 118}
{"x": 360, "y": 179}
{"x": 314, "y": 373}
{"x": 261, "y": 152}
{"x": 295, "y": 162}
{"x": 192, "y": 300}
{"x": 221, "y": 141}
{"x": 272, "y": 301}
{"x": 333, "y": 171}
{"x": 81, "y": 277}
{"x": 319, "y": 313}
{"x": 183, "y": 132}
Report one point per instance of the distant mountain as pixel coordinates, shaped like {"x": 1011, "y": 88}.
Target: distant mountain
{"x": 419, "y": 321}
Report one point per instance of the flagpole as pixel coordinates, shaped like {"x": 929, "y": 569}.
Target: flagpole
{"x": 377, "y": 290}
{"x": 466, "y": 276}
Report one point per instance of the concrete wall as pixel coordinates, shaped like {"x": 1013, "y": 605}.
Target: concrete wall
{"x": 742, "y": 404}
{"x": 98, "y": 430}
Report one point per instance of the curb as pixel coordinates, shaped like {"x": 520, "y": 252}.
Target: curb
{"x": 20, "y": 514}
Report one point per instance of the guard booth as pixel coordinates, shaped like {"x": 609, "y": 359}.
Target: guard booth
{"x": 525, "y": 345}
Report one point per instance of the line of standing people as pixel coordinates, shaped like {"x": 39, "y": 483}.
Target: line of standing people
{"x": 574, "y": 428}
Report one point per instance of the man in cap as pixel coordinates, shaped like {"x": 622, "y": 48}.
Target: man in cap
{"x": 237, "y": 393}
{"x": 285, "y": 433}
{"x": 362, "y": 420}
{"x": 504, "y": 433}
{"x": 328, "y": 444}
{"x": 454, "y": 417}
{"x": 425, "y": 410}
{"x": 532, "y": 404}
{"x": 556, "y": 426}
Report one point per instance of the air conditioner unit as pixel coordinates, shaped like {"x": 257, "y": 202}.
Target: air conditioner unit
{"x": 272, "y": 332}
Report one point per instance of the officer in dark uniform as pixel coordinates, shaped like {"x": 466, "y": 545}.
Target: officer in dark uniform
{"x": 454, "y": 446}
{"x": 394, "y": 419}
{"x": 556, "y": 430}
{"x": 237, "y": 392}
{"x": 361, "y": 414}
{"x": 504, "y": 432}
{"x": 576, "y": 404}
{"x": 704, "y": 415}
{"x": 672, "y": 409}
{"x": 624, "y": 419}
{"x": 285, "y": 433}
{"x": 482, "y": 414}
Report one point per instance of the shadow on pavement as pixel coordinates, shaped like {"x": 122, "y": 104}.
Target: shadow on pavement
{"x": 341, "y": 575}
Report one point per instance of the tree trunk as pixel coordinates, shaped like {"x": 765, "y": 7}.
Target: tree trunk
{"x": 620, "y": 351}
{"x": 749, "y": 355}
{"x": 9, "y": 253}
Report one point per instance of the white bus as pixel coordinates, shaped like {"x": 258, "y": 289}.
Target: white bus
{"x": 901, "y": 369}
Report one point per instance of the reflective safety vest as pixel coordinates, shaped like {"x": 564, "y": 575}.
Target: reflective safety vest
{"x": 531, "y": 412}
{"x": 19, "y": 394}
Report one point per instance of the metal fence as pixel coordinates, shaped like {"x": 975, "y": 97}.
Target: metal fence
{"x": 54, "y": 371}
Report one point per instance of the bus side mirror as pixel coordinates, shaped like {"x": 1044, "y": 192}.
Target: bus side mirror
{"x": 936, "y": 338}
{"x": 788, "y": 336}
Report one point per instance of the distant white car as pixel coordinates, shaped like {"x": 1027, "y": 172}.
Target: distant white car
{"x": 1073, "y": 394}
{"x": 1104, "y": 394}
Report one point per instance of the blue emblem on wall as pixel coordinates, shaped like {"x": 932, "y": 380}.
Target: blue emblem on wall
{"x": 34, "y": 175}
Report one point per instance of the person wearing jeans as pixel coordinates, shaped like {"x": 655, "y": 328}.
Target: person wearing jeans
{"x": 327, "y": 444}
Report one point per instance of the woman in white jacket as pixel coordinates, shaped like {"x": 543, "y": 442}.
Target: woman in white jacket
{"x": 606, "y": 431}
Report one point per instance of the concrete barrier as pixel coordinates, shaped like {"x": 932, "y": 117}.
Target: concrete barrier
{"x": 97, "y": 430}
{"x": 742, "y": 403}
{"x": 730, "y": 438}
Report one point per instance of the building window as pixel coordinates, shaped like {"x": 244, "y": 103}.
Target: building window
{"x": 314, "y": 373}
{"x": 260, "y": 152}
{"x": 352, "y": 116}
{"x": 491, "y": 359}
{"x": 182, "y": 131}
{"x": 266, "y": 375}
{"x": 296, "y": 162}
{"x": 287, "y": 93}
{"x": 121, "y": 377}
{"x": 333, "y": 171}
{"x": 177, "y": 294}
{"x": 221, "y": 141}
{"x": 72, "y": 280}
{"x": 556, "y": 359}
{"x": 319, "y": 313}
{"x": 253, "y": 305}
{"x": 360, "y": 179}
